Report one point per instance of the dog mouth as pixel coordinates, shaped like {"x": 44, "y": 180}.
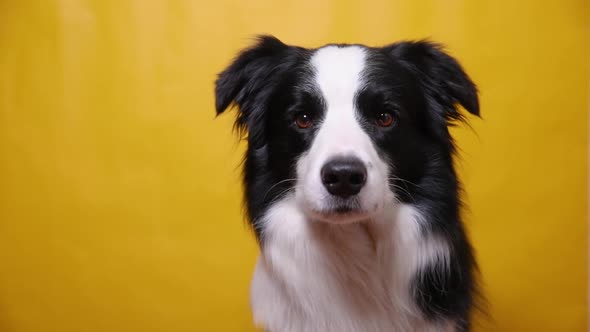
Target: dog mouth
{"x": 341, "y": 211}
{"x": 340, "y": 217}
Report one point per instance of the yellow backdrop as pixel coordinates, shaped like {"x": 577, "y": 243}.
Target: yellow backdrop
{"x": 119, "y": 192}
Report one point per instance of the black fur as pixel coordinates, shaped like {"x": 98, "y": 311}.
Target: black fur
{"x": 263, "y": 82}
{"x": 416, "y": 81}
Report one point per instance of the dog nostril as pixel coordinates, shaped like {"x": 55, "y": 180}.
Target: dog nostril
{"x": 356, "y": 178}
{"x": 344, "y": 177}
{"x": 330, "y": 178}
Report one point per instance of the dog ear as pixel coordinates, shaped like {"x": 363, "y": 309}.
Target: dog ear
{"x": 444, "y": 79}
{"x": 247, "y": 84}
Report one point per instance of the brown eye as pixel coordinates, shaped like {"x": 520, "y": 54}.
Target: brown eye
{"x": 303, "y": 120}
{"x": 384, "y": 119}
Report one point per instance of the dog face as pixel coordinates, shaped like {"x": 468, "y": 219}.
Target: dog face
{"x": 346, "y": 129}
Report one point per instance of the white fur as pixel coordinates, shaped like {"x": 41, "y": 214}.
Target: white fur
{"x": 339, "y": 275}
{"x": 338, "y": 76}
{"x": 316, "y": 276}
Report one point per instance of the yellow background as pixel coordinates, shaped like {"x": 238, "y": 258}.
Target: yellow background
{"x": 119, "y": 192}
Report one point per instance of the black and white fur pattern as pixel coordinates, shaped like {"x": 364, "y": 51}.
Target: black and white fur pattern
{"x": 392, "y": 257}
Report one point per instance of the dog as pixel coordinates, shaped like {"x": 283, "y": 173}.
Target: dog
{"x": 349, "y": 185}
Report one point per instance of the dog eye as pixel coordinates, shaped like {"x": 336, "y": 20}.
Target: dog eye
{"x": 303, "y": 120}
{"x": 384, "y": 119}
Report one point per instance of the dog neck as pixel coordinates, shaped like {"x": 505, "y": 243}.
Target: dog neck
{"x": 342, "y": 277}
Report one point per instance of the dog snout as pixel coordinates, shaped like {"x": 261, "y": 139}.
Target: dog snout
{"x": 344, "y": 177}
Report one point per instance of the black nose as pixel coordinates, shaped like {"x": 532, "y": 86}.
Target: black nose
{"x": 344, "y": 177}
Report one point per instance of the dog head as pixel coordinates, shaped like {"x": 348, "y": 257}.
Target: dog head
{"x": 344, "y": 129}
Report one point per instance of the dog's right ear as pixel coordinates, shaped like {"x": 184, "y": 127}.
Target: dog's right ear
{"x": 244, "y": 82}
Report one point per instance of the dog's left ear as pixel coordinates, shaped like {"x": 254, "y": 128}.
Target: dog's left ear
{"x": 442, "y": 76}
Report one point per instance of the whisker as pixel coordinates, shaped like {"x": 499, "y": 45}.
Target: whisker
{"x": 400, "y": 179}
{"x": 403, "y": 189}
{"x": 274, "y": 185}
{"x": 281, "y": 195}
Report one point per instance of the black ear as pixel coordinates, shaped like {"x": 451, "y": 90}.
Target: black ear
{"x": 247, "y": 83}
{"x": 442, "y": 76}
{"x": 249, "y": 67}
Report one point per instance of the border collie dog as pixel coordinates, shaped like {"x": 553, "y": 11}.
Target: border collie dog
{"x": 350, "y": 186}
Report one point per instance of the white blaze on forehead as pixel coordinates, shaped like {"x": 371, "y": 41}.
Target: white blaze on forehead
{"x": 338, "y": 76}
{"x": 338, "y": 73}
